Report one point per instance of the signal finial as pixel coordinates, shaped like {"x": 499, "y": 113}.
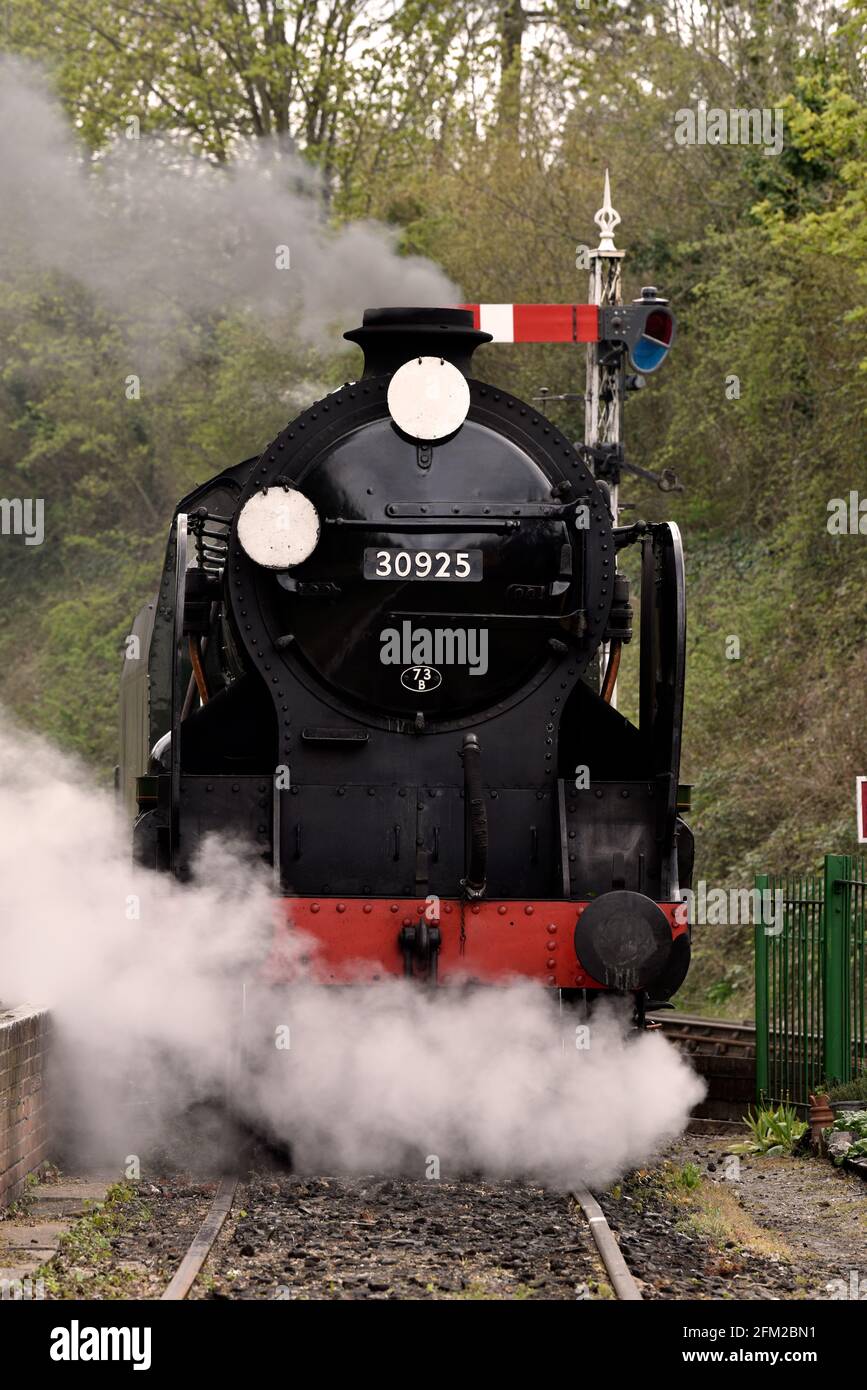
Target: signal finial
{"x": 606, "y": 220}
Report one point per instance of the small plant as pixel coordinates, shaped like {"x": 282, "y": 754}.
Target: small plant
{"x": 600, "y": 1290}
{"x": 675, "y": 1182}
{"x": 24, "y": 1203}
{"x": 773, "y": 1132}
{"x": 855, "y": 1120}
{"x": 687, "y": 1177}
{"x": 850, "y": 1090}
{"x": 83, "y": 1266}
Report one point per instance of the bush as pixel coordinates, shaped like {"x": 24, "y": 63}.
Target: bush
{"x": 849, "y": 1090}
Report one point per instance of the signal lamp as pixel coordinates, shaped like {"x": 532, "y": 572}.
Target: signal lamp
{"x": 645, "y": 328}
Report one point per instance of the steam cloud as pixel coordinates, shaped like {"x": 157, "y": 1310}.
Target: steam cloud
{"x": 160, "y": 236}
{"x": 373, "y": 1079}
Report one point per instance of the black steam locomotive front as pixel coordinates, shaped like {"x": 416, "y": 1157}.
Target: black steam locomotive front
{"x": 376, "y": 661}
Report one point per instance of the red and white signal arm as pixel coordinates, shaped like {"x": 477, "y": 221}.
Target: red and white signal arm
{"x": 537, "y": 323}
{"x": 861, "y": 802}
{"x": 645, "y": 327}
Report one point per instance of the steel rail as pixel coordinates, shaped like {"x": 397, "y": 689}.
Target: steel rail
{"x": 203, "y": 1241}
{"x": 699, "y": 1034}
{"x": 622, "y": 1281}
{"x": 726, "y": 1025}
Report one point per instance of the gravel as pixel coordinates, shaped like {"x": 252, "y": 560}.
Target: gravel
{"x": 340, "y": 1237}
{"x": 814, "y": 1215}
{"x": 793, "y": 1228}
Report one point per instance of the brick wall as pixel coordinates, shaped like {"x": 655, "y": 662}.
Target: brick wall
{"x": 24, "y": 1034}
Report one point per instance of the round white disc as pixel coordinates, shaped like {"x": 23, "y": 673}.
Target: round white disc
{"x": 428, "y": 398}
{"x": 278, "y": 527}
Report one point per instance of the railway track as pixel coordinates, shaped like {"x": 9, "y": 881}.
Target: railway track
{"x": 712, "y": 1037}
{"x": 724, "y": 1053}
{"x": 721, "y": 1050}
{"x": 203, "y": 1241}
{"x": 622, "y": 1281}
{"x": 580, "y": 1200}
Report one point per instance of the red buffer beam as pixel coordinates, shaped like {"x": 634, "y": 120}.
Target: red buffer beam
{"x": 537, "y": 323}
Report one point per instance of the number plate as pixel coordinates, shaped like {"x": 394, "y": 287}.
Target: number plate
{"x": 392, "y": 564}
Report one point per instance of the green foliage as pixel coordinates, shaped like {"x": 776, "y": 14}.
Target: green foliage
{"x": 849, "y": 1090}
{"x": 687, "y": 1177}
{"x": 720, "y": 992}
{"x": 83, "y": 1266}
{"x": 853, "y": 1122}
{"x": 773, "y": 1132}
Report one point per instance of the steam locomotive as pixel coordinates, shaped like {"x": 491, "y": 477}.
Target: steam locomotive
{"x": 382, "y": 658}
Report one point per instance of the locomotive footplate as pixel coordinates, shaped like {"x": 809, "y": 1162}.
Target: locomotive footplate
{"x": 360, "y": 940}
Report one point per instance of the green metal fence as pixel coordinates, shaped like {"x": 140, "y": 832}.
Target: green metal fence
{"x": 810, "y": 979}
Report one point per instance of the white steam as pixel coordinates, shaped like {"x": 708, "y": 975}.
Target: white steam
{"x": 160, "y": 236}
{"x": 378, "y": 1078}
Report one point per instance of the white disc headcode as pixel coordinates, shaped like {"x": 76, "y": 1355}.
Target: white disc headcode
{"x": 428, "y": 398}
{"x": 278, "y": 527}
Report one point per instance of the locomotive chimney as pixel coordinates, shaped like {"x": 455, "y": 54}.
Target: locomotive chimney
{"x": 390, "y": 337}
